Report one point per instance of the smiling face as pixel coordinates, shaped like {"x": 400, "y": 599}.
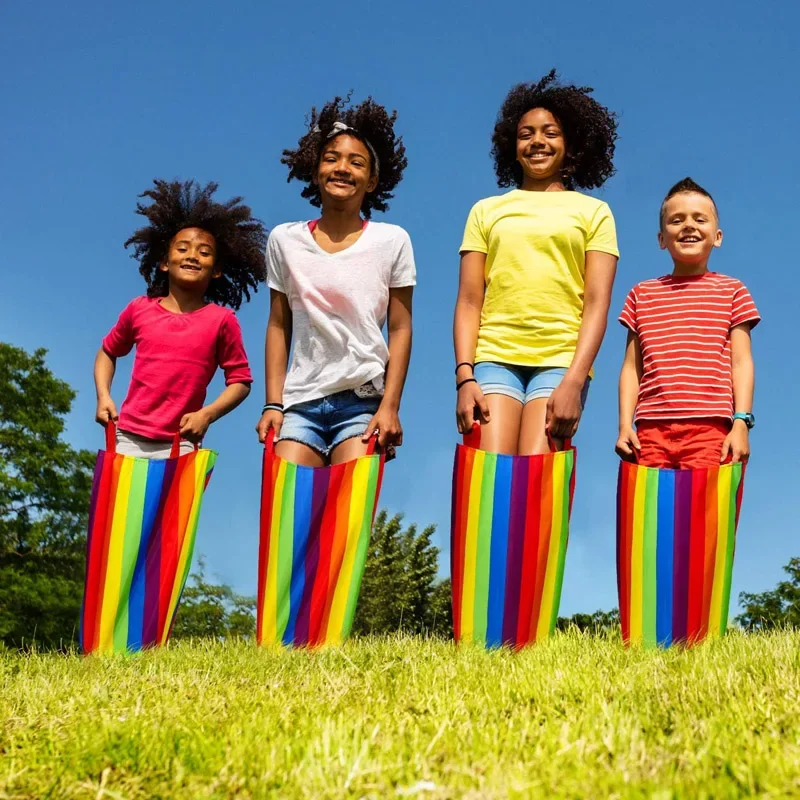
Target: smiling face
{"x": 541, "y": 147}
{"x": 191, "y": 260}
{"x": 689, "y": 228}
{"x": 345, "y": 171}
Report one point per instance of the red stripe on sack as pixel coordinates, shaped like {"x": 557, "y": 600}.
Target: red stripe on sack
{"x": 696, "y": 556}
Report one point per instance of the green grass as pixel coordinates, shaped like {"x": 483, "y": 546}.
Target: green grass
{"x": 575, "y": 717}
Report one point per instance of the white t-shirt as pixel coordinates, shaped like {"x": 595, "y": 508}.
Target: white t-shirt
{"x": 339, "y": 303}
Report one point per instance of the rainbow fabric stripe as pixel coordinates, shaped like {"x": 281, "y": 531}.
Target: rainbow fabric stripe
{"x": 142, "y": 525}
{"x": 315, "y": 530}
{"x": 676, "y": 532}
{"x": 510, "y": 527}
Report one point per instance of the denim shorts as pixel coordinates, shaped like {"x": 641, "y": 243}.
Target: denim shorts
{"x": 521, "y": 383}
{"x": 325, "y": 423}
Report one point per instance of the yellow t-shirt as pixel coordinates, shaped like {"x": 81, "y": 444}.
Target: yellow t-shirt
{"x": 535, "y": 245}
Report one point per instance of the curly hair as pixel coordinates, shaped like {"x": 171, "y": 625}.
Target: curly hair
{"x": 590, "y": 131}
{"x": 371, "y": 124}
{"x": 240, "y": 238}
{"x": 681, "y": 187}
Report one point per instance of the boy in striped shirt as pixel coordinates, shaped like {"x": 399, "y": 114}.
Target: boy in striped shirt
{"x": 687, "y": 379}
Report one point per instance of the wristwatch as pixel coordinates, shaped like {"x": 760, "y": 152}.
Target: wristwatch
{"x": 748, "y": 418}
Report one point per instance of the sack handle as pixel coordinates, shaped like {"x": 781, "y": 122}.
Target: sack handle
{"x": 269, "y": 443}
{"x": 473, "y": 439}
{"x": 111, "y": 441}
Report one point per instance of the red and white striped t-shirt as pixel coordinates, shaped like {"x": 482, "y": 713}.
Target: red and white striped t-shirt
{"x": 684, "y": 329}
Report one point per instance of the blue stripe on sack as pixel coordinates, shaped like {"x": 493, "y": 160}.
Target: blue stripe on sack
{"x": 152, "y": 501}
{"x": 499, "y": 550}
{"x": 303, "y": 491}
{"x": 664, "y": 555}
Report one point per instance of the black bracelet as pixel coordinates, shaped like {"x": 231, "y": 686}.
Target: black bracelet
{"x": 464, "y": 364}
{"x": 272, "y": 407}
{"x": 466, "y": 380}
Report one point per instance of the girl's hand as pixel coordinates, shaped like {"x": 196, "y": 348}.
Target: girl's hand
{"x": 628, "y": 444}
{"x": 471, "y": 407}
{"x": 195, "y": 425}
{"x": 736, "y": 444}
{"x": 387, "y": 423}
{"x": 564, "y": 410}
{"x": 106, "y": 411}
{"x": 271, "y": 418}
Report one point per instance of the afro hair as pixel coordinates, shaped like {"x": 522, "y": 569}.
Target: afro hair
{"x": 370, "y": 123}
{"x": 240, "y": 238}
{"x": 590, "y": 131}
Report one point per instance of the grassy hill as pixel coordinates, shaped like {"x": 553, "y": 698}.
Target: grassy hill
{"x": 578, "y": 716}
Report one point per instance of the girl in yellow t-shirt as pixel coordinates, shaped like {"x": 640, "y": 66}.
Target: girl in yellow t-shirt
{"x": 537, "y": 267}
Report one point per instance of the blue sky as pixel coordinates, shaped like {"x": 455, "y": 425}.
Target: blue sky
{"x": 99, "y": 98}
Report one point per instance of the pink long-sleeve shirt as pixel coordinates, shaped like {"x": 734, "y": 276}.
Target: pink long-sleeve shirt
{"x": 176, "y": 358}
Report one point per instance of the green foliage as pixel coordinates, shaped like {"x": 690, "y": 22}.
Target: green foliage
{"x": 777, "y": 608}
{"x": 45, "y": 486}
{"x": 576, "y": 716}
{"x": 400, "y": 591}
{"x": 598, "y": 622}
{"x": 213, "y": 610}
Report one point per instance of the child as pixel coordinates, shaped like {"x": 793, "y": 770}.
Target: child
{"x": 333, "y": 282}
{"x": 687, "y": 379}
{"x": 537, "y": 267}
{"x": 196, "y": 256}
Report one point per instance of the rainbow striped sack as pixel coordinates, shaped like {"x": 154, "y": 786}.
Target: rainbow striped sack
{"x": 142, "y": 525}
{"x": 510, "y": 526}
{"x": 676, "y": 531}
{"x": 315, "y": 530}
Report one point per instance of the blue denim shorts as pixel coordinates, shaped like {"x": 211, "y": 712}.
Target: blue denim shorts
{"x": 325, "y": 423}
{"x": 521, "y": 383}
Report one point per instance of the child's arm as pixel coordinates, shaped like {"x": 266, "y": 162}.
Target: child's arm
{"x": 386, "y": 420}
{"x": 195, "y": 424}
{"x": 276, "y": 360}
{"x": 629, "y": 378}
{"x": 564, "y": 406}
{"x": 104, "y": 368}
{"x": 737, "y": 442}
{"x": 466, "y": 323}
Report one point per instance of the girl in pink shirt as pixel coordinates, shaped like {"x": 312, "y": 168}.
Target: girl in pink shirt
{"x": 197, "y": 256}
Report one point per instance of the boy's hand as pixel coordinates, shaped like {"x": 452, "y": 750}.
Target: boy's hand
{"x": 564, "y": 410}
{"x": 471, "y": 407}
{"x": 195, "y": 425}
{"x": 628, "y": 444}
{"x": 736, "y": 444}
{"x": 269, "y": 419}
{"x": 387, "y": 423}
{"x": 106, "y": 411}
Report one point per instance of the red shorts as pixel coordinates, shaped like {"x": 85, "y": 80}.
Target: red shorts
{"x": 687, "y": 444}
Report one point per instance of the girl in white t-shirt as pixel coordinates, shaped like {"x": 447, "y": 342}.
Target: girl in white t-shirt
{"x": 334, "y": 282}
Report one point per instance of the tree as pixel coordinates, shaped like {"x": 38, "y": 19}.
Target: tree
{"x": 213, "y": 610}
{"x": 594, "y": 623}
{"x": 400, "y": 591}
{"x": 45, "y": 488}
{"x": 779, "y": 607}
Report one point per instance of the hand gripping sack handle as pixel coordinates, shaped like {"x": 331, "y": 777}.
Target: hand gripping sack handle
{"x": 315, "y": 528}
{"x": 510, "y": 526}
{"x": 142, "y": 524}
{"x": 676, "y": 532}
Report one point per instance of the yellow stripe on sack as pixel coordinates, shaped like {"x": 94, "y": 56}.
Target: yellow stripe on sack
{"x": 556, "y": 520}
{"x": 637, "y": 556}
{"x": 271, "y": 593}
{"x": 471, "y": 549}
{"x": 355, "y": 523}
{"x": 116, "y": 546}
{"x": 723, "y": 532}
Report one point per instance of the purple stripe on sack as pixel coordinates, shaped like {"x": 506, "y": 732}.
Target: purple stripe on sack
{"x": 683, "y": 529}
{"x": 318, "y": 495}
{"x": 516, "y": 541}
